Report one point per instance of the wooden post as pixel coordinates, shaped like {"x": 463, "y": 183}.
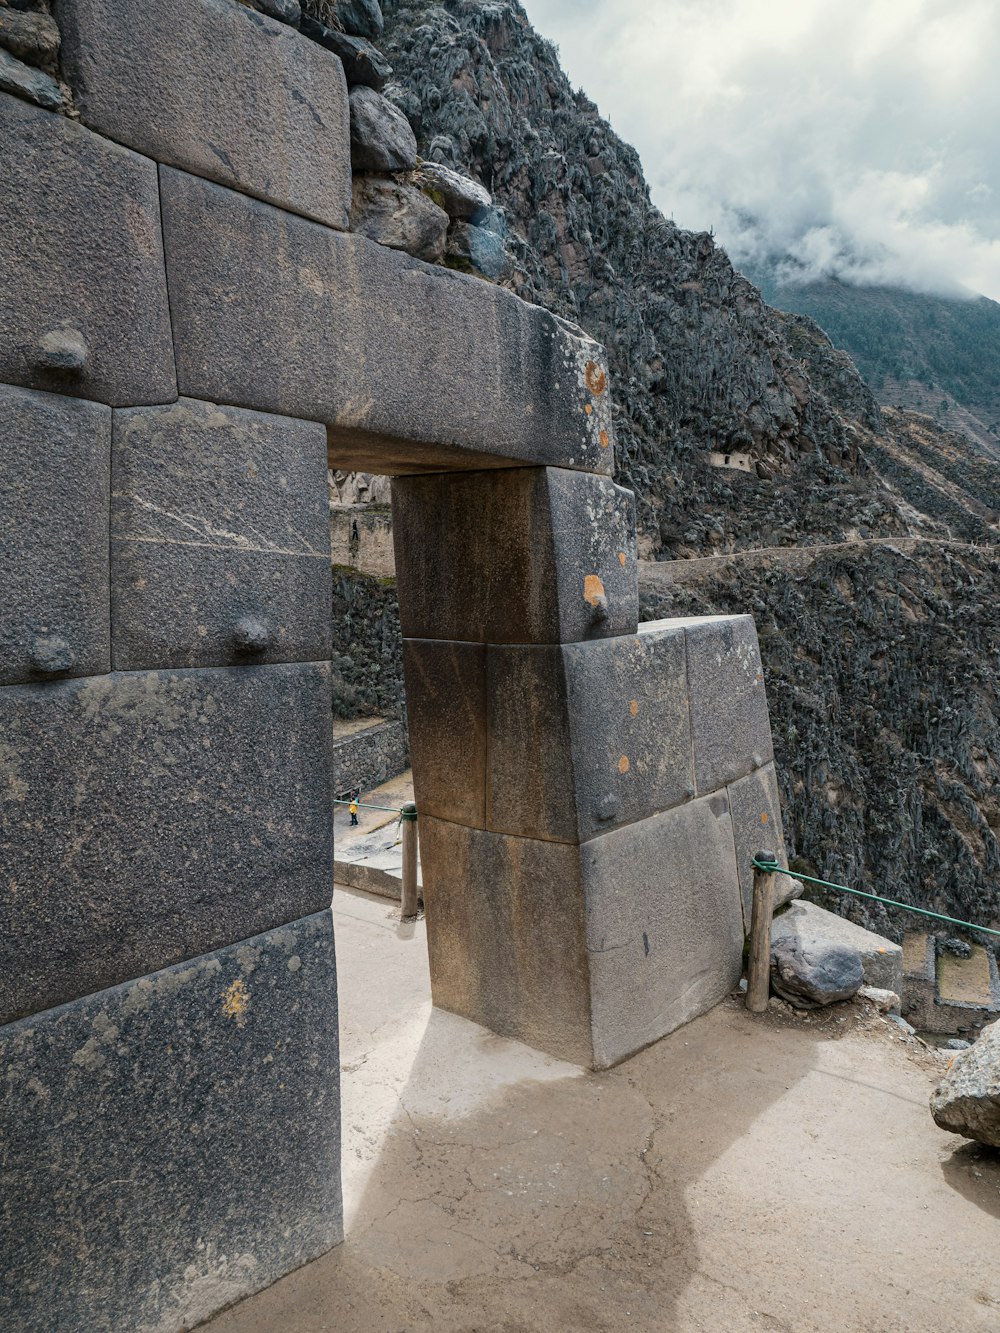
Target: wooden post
{"x": 408, "y": 819}
{"x": 759, "y": 971}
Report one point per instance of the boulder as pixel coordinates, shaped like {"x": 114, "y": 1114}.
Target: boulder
{"x": 363, "y": 63}
{"x": 967, "y": 1100}
{"x": 399, "y": 216}
{"x": 360, "y": 18}
{"x": 473, "y": 250}
{"x": 33, "y": 38}
{"x": 458, "y": 195}
{"x": 881, "y": 959}
{"x": 810, "y": 973}
{"x": 381, "y": 137}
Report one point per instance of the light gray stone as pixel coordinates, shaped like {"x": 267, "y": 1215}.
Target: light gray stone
{"x": 459, "y": 196}
{"x": 967, "y": 1101}
{"x": 274, "y": 123}
{"x": 275, "y": 313}
{"x": 381, "y": 137}
{"x": 181, "y": 811}
{"x": 24, "y": 81}
{"x": 55, "y": 473}
{"x": 886, "y": 1001}
{"x": 881, "y": 959}
{"x": 755, "y": 807}
{"x": 585, "y": 737}
{"x": 399, "y": 216}
{"x": 85, "y": 298}
{"x": 515, "y": 555}
{"x": 220, "y": 538}
{"x": 446, "y": 711}
{"x": 172, "y": 1145}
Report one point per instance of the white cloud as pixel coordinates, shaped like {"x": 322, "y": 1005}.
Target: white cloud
{"x": 857, "y": 136}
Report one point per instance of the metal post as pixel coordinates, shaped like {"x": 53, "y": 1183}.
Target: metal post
{"x": 759, "y": 971}
{"x": 408, "y": 821}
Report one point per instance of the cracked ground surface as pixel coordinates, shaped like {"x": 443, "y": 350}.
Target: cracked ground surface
{"x": 742, "y": 1174}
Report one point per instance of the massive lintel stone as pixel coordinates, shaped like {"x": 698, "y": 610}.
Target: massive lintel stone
{"x": 412, "y": 368}
{"x": 84, "y": 309}
{"x": 149, "y": 817}
{"x": 55, "y": 469}
{"x": 272, "y": 122}
{"x": 172, "y": 1144}
{"x": 587, "y": 952}
{"x": 219, "y": 538}
{"x": 532, "y": 555}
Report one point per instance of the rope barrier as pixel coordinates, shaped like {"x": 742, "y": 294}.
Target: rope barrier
{"x": 362, "y": 805}
{"x": 770, "y": 867}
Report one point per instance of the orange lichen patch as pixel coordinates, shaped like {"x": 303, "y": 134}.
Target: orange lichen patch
{"x": 621, "y": 559}
{"x": 236, "y": 1001}
{"x": 623, "y": 764}
{"x": 763, "y": 817}
{"x": 593, "y": 589}
{"x": 588, "y": 409}
{"x": 633, "y": 707}
{"x": 603, "y": 437}
{"x": 596, "y": 379}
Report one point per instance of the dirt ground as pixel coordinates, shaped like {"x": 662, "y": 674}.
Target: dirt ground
{"x": 777, "y": 1173}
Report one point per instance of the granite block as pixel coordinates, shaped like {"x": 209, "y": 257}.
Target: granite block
{"x": 412, "y": 367}
{"x": 55, "y": 469}
{"x": 664, "y": 925}
{"x": 149, "y": 817}
{"x": 755, "y": 807}
{"x": 586, "y": 737}
{"x": 220, "y": 538}
{"x": 171, "y": 1145}
{"x": 274, "y": 122}
{"x": 81, "y": 253}
{"x": 446, "y": 713}
{"x": 515, "y": 555}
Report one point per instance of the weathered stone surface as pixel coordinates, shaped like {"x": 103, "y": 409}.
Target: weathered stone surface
{"x": 361, "y": 18}
{"x": 85, "y": 298}
{"x": 729, "y": 721}
{"x": 172, "y": 1144}
{"x": 399, "y": 216}
{"x": 813, "y": 927}
{"x": 755, "y": 807}
{"x": 664, "y": 926}
{"x": 219, "y": 538}
{"x": 181, "y": 811}
{"x": 505, "y": 934}
{"x": 474, "y": 250}
{"x": 381, "y": 137}
{"x": 275, "y": 124}
{"x": 285, "y": 11}
{"x": 31, "y": 37}
{"x": 363, "y": 63}
{"x": 446, "y": 709}
{"x": 587, "y": 736}
{"x": 459, "y": 196}
{"x": 55, "y": 472}
{"x": 967, "y": 1101}
{"x": 273, "y": 312}
{"x": 518, "y": 555}
{"x": 24, "y": 81}
{"x": 809, "y": 973}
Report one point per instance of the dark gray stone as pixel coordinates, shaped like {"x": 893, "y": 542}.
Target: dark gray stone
{"x": 363, "y": 63}
{"x": 180, "y": 811}
{"x": 361, "y": 18}
{"x": 381, "y": 137}
{"x": 587, "y": 736}
{"x": 85, "y": 297}
{"x": 755, "y": 806}
{"x": 220, "y": 538}
{"x": 515, "y": 555}
{"x": 473, "y": 250}
{"x": 814, "y": 929}
{"x": 729, "y": 719}
{"x": 24, "y": 81}
{"x": 274, "y": 123}
{"x": 664, "y": 925}
{"x": 172, "y": 1144}
{"x": 810, "y": 973}
{"x": 285, "y": 11}
{"x": 398, "y": 215}
{"x": 459, "y": 196}
{"x": 446, "y": 709}
{"x": 32, "y": 37}
{"x": 55, "y": 476}
{"x": 412, "y": 367}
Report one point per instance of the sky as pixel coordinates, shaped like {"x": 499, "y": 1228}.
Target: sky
{"x": 860, "y": 138}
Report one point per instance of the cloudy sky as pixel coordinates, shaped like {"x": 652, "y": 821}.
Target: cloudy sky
{"x": 861, "y": 137}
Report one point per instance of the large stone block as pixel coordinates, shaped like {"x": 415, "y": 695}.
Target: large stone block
{"x": 149, "y": 817}
{"x": 84, "y": 310}
{"x": 220, "y": 544}
{"x": 55, "y": 469}
{"x": 664, "y": 925}
{"x": 755, "y": 806}
{"x": 172, "y": 1144}
{"x": 446, "y": 711}
{"x": 585, "y": 737}
{"x": 412, "y": 367}
{"x": 729, "y": 720}
{"x": 525, "y": 555}
{"x": 274, "y": 122}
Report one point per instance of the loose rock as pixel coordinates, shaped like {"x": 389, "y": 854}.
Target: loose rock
{"x": 967, "y": 1101}
{"x": 285, "y": 11}
{"x": 886, "y": 1001}
{"x": 360, "y": 18}
{"x": 458, "y": 195}
{"x": 381, "y": 137}
{"x": 363, "y": 64}
{"x": 811, "y": 973}
{"x": 400, "y": 216}
{"x": 33, "y": 38}
{"x": 31, "y": 84}
{"x": 474, "y": 250}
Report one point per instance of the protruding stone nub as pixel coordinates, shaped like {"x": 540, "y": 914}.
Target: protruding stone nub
{"x": 251, "y": 635}
{"x": 63, "y": 349}
{"x": 51, "y": 654}
{"x": 600, "y": 604}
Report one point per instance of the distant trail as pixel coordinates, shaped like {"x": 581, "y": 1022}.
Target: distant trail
{"x": 660, "y": 573}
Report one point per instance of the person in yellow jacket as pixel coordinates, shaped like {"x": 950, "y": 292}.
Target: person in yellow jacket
{"x": 353, "y": 808}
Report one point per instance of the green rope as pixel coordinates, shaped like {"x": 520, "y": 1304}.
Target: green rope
{"x": 772, "y": 866}
{"x": 389, "y": 809}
